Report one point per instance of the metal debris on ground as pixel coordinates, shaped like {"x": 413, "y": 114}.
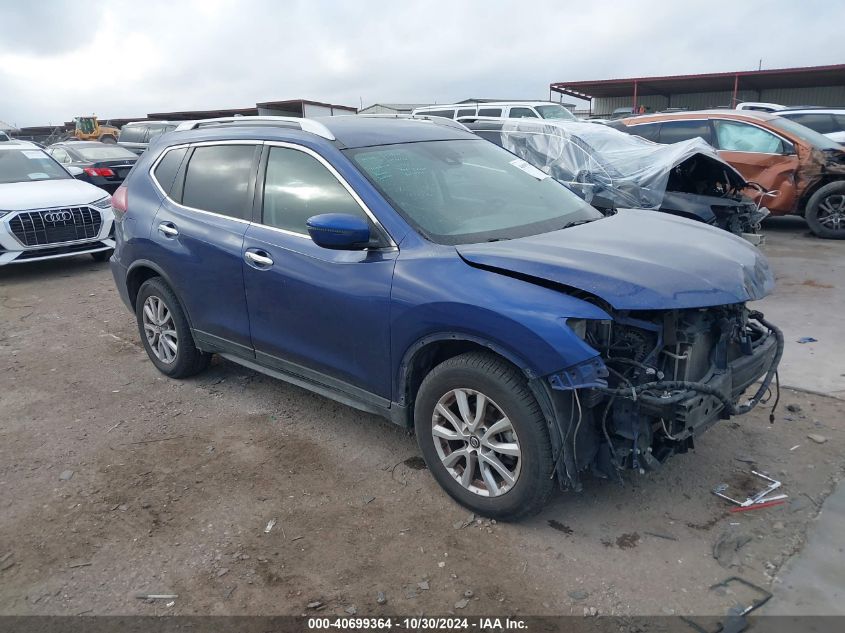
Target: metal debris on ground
{"x": 315, "y": 604}
{"x": 66, "y": 475}
{"x": 818, "y": 439}
{"x": 381, "y": 598}
{"x": 156, "y": 596}
{"x": 807, "y": 339}
{"x": 462, "y": 603}
{"x": 270, "y": 525}
{"x": 758, "y": 499}
{"x": 171, "y": 603}
{"x": 667, "y": 537}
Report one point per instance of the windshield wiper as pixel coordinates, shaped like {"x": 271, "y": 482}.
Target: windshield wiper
{"x": 579, "y": 222}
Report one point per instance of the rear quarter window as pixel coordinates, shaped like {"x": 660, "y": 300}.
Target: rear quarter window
{"x": 167, "y": 168}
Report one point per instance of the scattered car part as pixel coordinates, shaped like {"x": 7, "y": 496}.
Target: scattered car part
{"x": 761, "y": 497}
{"x": 612, "y": 170}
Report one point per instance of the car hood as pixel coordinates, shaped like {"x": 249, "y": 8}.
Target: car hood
{"x": 636, "y": 260}
{"x": 43, "y": 194}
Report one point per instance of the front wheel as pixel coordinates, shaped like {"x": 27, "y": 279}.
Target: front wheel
{"x": 826, "y": 211}
{"x": 483, "y": 436}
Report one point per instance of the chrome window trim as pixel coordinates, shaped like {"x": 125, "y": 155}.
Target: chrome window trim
{"x": 338, "y": 177}
{"x": 718, "y": 149}
{"x": 161, "y": 191}
{"x": 284, "y": 144}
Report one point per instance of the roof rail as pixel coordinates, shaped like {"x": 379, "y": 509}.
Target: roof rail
{"x": 439, "y": 120}
{"x": 306, "y": 125}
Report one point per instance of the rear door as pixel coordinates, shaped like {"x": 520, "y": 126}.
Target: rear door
{"x": 761, "y": 157}
{"x": 199, "y": 231}
{"x": 318, "y": 313}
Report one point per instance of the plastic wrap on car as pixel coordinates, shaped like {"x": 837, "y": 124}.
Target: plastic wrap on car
{"x": 593, "y": 158}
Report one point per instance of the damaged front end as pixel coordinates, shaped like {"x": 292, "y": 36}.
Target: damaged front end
{"x": 661, "y": 378}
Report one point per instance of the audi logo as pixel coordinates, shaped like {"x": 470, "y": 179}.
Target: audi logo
{"x": 57, "y": 216}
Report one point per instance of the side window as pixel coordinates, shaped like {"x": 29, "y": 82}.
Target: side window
{"x": 839, "y": 119}
{"x": 168, "y": 166}
{"x": 821, "y": 123}
{"x": 466, "y": 112}
{"x": 60, "y": 155}
{"x": 132, "y": 133}
{"x": 522, "y": 113}
{"x": 735, "y": 136}
{"x": 155, "y": 130}
{"x": 681, "y": 130}
{"x": 449, "y": 114}
{"x": 648, "y": 131}
{"x": 217, "y": 180}
{"x": 490, "y": 112}
{"x": 297, "y": 186}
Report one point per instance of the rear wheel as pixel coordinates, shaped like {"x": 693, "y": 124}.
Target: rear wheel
{"x": 165, "y": 332}
{"x": 826, "y": 211}
{"x": 483, "y": 436}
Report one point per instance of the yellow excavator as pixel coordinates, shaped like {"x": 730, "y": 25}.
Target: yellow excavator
{"x": 88, "y": 128}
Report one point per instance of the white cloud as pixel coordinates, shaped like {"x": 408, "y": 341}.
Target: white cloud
{"x": 131, "y": 58}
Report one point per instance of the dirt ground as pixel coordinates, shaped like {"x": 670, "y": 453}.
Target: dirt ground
{"x": 115, "y": 480}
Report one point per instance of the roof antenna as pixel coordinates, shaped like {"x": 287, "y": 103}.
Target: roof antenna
{"x": 760, "y": 65}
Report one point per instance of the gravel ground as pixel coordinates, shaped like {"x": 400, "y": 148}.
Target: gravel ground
{"x": 116, "y": 481}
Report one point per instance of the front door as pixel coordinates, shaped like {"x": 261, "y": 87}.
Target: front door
{"x": 319, "y": 313}
{"x": 761, "y": 157}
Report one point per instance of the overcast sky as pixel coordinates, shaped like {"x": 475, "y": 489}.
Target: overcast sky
{"x": 121, "y": 59}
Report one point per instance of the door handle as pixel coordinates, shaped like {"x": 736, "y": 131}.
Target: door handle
{"x": 168, "y": 229}
{"x": 260, "y": 258}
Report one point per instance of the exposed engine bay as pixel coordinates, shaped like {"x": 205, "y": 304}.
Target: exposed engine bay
{"x": 612, "y": 170}
{"x": 663, "y": 378}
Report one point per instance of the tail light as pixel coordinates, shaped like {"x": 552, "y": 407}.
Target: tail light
{"x": 120, "y": 202}
{"x": 105, "y": 172}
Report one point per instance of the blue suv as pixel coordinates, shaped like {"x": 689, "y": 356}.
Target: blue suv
{"x": 411, "y": 269}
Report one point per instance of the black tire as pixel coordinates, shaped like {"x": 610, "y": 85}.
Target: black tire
{"x": 188, "y": 359}
{"x": 823, "y": 222}
{"x": 102, "y": 256}
{"x": 503, "y": 384}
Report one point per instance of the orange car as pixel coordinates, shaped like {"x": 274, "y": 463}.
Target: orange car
{"x": 802, "y": 171}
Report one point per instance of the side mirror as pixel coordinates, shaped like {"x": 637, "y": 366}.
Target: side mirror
{"x": 76, "y": 172}
{"x": 339, "y": 231}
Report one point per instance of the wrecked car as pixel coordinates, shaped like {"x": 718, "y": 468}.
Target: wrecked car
{"x": 612, "y": 170}
{"x": 411, "y": 269}
{"x": 796, "y": 170}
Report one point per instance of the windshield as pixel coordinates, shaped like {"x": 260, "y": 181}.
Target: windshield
{"x": 555, "y": 112}
{"x": 25, "y": 165}
{"x": 106, "y": 152}
{"x": 819, "y": 141}
{"x": 468, "y": 191}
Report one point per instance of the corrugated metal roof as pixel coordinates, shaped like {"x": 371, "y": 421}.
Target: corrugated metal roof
{"x": 803, "y": 77}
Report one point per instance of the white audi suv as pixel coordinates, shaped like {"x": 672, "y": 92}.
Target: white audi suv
{"x": 45, "y": 213}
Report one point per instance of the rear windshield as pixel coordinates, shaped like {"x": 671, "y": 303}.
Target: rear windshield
{"x": 819, "y": 141}
{"x": 106, "y": 152}
{"x": 469, "y": 191}
{"x": 27, "y": 165}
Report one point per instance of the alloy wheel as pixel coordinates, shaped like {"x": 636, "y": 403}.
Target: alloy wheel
{"x": 831, "y": 212}
{"x": 476, "y": 442}
{"x": 160, "y": 329}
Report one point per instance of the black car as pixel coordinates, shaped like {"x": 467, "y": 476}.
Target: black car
{"x": 103, "y": 165}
